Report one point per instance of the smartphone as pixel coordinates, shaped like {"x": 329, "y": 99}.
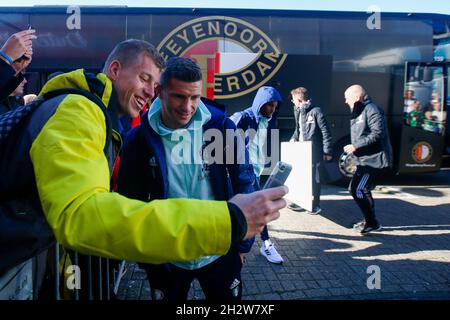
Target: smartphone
{"x": 24, "y": 57}
{"x": 279, "y": 175}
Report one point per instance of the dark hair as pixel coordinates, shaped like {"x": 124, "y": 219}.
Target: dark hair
{"x": 181, "y": 68}
{"x": 127, "y": 51}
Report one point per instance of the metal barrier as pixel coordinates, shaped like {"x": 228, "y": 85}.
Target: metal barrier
{"x": 99, "y": 277}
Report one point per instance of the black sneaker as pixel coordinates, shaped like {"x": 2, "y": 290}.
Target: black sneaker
{"x": 359, "y": 225}
{"x": 295, "y": 207}
{"x": 367, "y": 229}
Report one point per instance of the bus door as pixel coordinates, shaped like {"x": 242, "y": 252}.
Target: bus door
{"x": 424, "y": 117}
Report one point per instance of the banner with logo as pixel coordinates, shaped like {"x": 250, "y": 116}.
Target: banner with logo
{"x": 420, "y": 150}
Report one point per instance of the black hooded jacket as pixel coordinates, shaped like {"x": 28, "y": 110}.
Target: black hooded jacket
{"x": 369, "y": 135}
{"x": 311, "y": 125}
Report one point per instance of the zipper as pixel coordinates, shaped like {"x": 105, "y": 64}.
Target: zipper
{"x": 301, "y": 126}
{"x": 116, "y": 135}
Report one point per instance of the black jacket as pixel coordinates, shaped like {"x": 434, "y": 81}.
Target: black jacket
{"x": 311, "y": 125}
{"x": 10, "y": 103}
{"x": 369, "y": 135}
{"x": 8, "y": 80}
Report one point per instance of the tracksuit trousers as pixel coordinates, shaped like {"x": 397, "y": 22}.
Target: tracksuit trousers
{"x": 360, "y": 188}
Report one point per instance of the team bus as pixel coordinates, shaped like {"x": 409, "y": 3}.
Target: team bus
{"x": 402, "y": 59}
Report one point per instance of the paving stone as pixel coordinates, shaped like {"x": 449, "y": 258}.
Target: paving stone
{"x": 294, "y": 295}
{"x": 300, "y": 285}
{"x": 316, "y": 293}
{"x": 288, "y": 285}
{"x": 263, "y": 286}
{"x": 259, "y": 276}
{"x": 324, "y": 284}
{"x": 312, "y": 285}
{"x": 326, "y": 259}
{"x": 340, "y": 291}
{"x": 276, "y": 286}
{"x": 267, "y": 296}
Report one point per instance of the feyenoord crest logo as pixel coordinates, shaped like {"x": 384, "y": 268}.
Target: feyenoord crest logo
{"x": 422, "y": 152}
{"x": 237, "y": 57}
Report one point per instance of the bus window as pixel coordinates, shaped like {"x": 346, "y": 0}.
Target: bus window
{"x": 424, "y": 97}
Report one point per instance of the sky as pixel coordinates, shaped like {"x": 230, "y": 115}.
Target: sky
{"x": 428, "y": 6}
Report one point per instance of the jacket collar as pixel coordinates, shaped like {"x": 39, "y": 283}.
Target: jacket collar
{"x": 359, "y": 106}
{"x": 305, "y": 106}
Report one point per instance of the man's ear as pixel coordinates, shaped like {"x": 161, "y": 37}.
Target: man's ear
{"x": 158, "y": 90}
{"x": 114, "y": 70}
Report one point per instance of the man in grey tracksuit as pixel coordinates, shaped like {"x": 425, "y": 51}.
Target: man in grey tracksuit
{"x": 310, "y": 125}
{"x": 371, "y": 146}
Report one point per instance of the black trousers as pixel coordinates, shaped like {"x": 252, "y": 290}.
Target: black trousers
{"x": 360, "y": 188}
{"x": 220, "y": 280}
{"x": 316, "y": 184}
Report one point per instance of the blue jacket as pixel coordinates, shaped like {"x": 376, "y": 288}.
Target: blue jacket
{"x": 249, "y": 118}
{"x": 143, "y": 171}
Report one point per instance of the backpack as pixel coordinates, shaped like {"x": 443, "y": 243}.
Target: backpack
{"x": 24, "y": 231}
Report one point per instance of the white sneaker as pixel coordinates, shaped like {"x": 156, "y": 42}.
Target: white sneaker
{"x": 315, "y": 211}
{"x": 271, "y": 253}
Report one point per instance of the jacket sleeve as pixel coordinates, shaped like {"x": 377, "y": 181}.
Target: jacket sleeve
{"x": 240, "y": 170}
{"x": 131, "y": 167}
{"x": 8, "y": 80}
{"x": 236, "y": 118}
{"x": 326, "y": 133}
{"x": 6, "y": 73}
{"x": 72, "y": 177}
{"x": 374, "y": 121}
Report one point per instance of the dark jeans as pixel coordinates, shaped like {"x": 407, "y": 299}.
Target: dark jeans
{"x": 265, "y": 234}
{"x": 220, "y": 280}
{"x": 360, "y": 188}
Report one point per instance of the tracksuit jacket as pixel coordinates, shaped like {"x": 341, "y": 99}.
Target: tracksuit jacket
{"x": 369, "y": 135}
{"x": 143, "y": 172}
{"x": 310, "y": 125}
{"x": 8, "y": 79}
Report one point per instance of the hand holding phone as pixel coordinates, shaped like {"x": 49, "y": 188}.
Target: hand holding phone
{"x": 18, "y": 44}
{"x": 279, "y": 175}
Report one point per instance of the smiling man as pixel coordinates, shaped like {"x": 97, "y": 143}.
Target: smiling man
{"x": 180, "y": 113}
{"x": 67, "y": 150}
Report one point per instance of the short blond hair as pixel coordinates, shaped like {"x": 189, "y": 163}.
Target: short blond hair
{"x": 302, "y": 92}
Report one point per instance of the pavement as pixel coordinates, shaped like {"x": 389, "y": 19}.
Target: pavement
{"x": 324, "y": 258}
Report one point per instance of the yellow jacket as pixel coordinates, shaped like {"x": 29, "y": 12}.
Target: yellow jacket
{"x": 73, "y": 180}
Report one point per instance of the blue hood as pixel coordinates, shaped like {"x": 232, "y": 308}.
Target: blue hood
{"x": 264, "y": 95}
